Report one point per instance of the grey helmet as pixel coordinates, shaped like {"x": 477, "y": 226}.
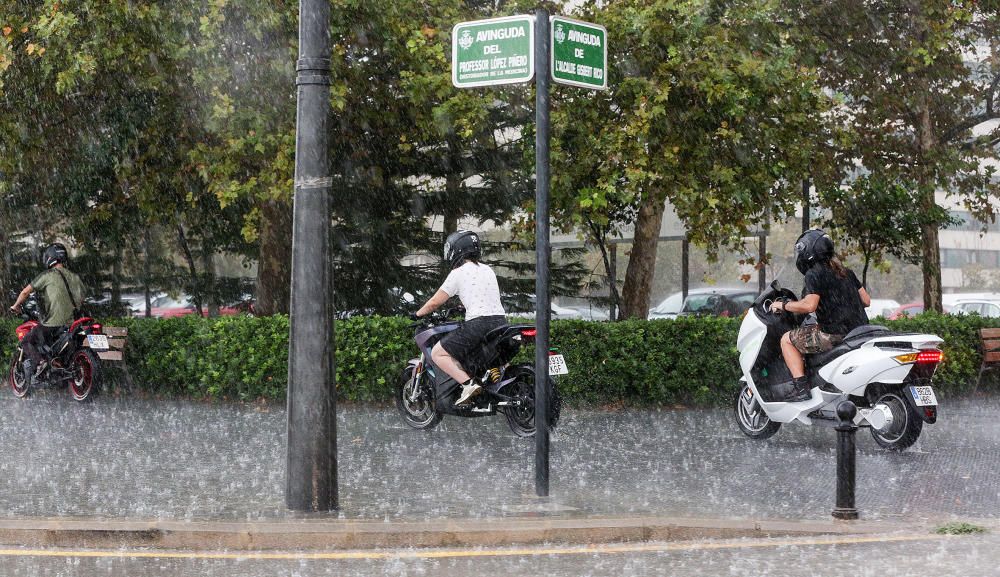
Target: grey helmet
{"x": 55, "y": 253}
{"x": 812, "y": 247}
{"x": 461, "y": 245}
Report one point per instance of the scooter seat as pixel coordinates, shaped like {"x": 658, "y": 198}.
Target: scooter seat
{"x": 852, "y": 340}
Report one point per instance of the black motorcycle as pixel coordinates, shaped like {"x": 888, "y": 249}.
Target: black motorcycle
{"x": 426, "y": 393}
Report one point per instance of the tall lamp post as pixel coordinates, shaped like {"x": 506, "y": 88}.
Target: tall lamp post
{"x": 311, "y": 472}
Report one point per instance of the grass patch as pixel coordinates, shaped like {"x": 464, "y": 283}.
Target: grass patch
{"x": 959, "y": 529}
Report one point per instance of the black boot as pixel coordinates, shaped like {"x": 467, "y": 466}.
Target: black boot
{"x": 800, "y": 390}
{"x": 28, "y": 366}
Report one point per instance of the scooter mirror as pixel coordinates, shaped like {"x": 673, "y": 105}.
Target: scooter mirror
{"x": 408, "y": 298}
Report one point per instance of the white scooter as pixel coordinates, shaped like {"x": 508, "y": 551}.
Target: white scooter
{"x": 886, "y": 374}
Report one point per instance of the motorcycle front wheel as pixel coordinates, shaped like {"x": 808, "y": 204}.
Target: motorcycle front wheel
{"x": 416, "y": 406}
{"x": 754, "y": 424}
{"x": 521, "y": 417}
{"x": 86, "y": 371}
{"x": 16, "y": 378}
{"x": 905, "y": 427}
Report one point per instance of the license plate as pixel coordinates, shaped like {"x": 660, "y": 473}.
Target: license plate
{"x": 923, "y": 396}
{"x": 557, "y": 365}
{"x": 98, "y": 342}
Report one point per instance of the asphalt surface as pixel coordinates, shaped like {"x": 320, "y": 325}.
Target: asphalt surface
{"x": 149, "y": 459}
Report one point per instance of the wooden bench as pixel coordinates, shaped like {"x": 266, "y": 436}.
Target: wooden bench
{"x": 116, "y": 351}
{"x": 991, "y": 351}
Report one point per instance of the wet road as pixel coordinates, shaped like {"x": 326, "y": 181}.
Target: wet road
{"x": 181, "y": 460}
{"x": 891, "y": 556}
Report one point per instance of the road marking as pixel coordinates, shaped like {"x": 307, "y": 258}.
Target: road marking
{"x": 456, "y": 553}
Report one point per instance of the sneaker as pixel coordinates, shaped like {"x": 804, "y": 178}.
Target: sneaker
{"x": 468, "y": 392}
{"x": 801, "y": 392}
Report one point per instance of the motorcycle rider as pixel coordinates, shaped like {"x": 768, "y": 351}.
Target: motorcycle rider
{"x": 834, "y": 293}
{"x": 475, "y": 284}
{"x": 62, "y": 293}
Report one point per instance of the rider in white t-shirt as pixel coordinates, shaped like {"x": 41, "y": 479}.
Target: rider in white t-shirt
{"x": 475, "y": 284}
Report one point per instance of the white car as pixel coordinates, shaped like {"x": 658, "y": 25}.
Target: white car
{"x": 984, "y": 308}
{"x": 674, "y": 304}
{"x": 883, "y": 307}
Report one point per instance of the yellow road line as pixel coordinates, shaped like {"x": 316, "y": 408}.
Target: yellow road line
{"x": 456, "y": 553}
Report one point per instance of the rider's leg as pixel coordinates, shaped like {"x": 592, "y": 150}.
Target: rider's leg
{"x": 448, "y": 364}
{"x": 793, "y": 358}
{"x": 32, "y": 347}
{"x": 797, "y": 367}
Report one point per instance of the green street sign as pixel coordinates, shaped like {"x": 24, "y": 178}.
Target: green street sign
{"x": 494, "y": 51}
{"x": 579, "y": 53}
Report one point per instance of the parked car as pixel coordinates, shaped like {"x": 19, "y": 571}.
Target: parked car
{"x": 984, "y": 308}
{"x": 881, "y": 307}
{"x": 182, "y": 306}
{"x": 721, "y": 302}
{"x": 674, "y": 304}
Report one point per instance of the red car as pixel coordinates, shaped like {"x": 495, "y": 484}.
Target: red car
{"x": 910, "y": 310}
{"x": 168, "y": 307}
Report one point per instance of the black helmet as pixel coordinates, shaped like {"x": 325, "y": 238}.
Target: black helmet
{"x": 812, "y": 247}
{"x": 55, "y": 254}
{"x": 460, "y": 245}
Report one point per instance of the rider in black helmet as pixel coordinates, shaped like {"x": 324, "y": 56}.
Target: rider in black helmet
{"x": 476, "y": 286}
{"x": 62, "y": 293}
{"x": 834, "y": 293}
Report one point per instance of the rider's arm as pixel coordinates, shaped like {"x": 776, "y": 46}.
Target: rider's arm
{"x": 805, "y": 305}
{"x": 866, "y": 300}
{"x": 435, "y": 301}
{"x": 22, "y": 297}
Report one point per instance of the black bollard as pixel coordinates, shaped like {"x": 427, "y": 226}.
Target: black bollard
{"x": 845, "y": 509}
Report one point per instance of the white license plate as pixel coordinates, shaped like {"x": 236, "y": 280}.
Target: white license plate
{"x": 98, "y": 342}
{"x": 923, "y": 396}
{"x": 557, "y": 365}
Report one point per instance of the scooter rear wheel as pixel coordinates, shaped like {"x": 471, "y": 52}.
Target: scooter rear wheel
{"x": 905, "y": 427}
{"x": 418, "y": 413}
{"x": 754, "y": 424}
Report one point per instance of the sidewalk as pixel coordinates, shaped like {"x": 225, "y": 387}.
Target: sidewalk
{"x": 179, "y": 474}
{"x": 364, "y": 535}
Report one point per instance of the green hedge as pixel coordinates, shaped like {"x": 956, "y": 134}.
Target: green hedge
{"x": 663, "y": 362}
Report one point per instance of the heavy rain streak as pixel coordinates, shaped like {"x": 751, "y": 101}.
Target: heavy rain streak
{"x": 583, "y": 287}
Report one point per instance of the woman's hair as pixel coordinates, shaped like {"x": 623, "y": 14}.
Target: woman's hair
{"x": 838, "y": 268}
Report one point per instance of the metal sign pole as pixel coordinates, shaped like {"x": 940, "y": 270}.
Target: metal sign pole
{"x": 542, "y": 251}
{"x": 311, "y": 474}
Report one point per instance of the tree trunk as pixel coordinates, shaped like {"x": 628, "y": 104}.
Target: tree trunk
{"x": 600, "y": 239}
{"x": 274, "y": 267}
{"x": 211, "y": 296}
{"x": 147, "y": 277}
{"x": 5, "y": 281}
{"x": 931, "y": 247}
{"x": 116, "y": 277}
{"x": 192, "y": 270}
{"x": 642, "y": 260}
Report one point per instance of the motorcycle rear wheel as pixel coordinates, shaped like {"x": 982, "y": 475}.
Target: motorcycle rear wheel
{"x": 86, "y": 370}
{"x": 420, "y": 413}
{"x": 16, "y": 378}
{"x": 756, "y": 424}
{"x": 906, "y": 425}
{"x": 521, "y": 418}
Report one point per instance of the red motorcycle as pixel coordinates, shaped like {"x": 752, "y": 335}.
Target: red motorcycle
{"x": 71, "y": 359}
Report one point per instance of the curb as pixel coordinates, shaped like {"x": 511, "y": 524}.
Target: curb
{"x": 363, "y": 535}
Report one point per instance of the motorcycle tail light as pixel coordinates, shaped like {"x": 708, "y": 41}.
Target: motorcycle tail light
{"x": 96, "y": 328}
{"x": 529, "y": 333}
